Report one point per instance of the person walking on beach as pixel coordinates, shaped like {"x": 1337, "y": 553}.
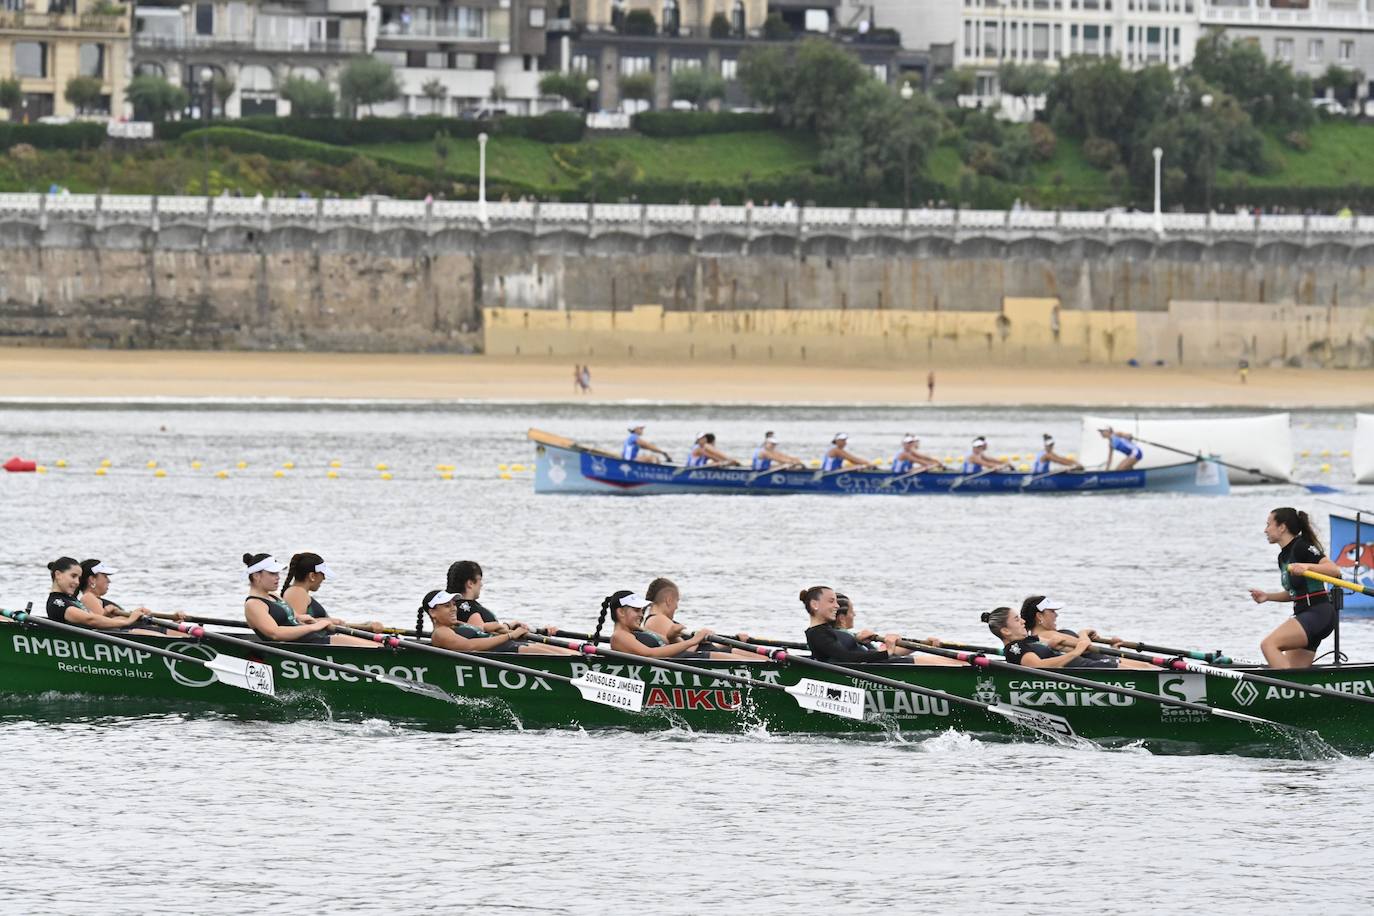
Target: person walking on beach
{"x": 577, "y": 378}
{"x": 586, "y": 379}
{"x": 930, "y": 385}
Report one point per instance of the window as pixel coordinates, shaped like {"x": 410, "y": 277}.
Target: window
{"x": 1316, "y": 49}
{"x": 1347, "y": 51}
{"x": 395, "y": 58}
{"x": 91, "y": 61}
{"x": 435, "y": 60}
{"x": 632, "y": 65}
{"x": 737, "y": 20}
{"x": 1283, "y": 48}
{"x": 670, "y": 18}
{"x": 464, "y": 61}
{"x": 729, "y": 68}
{"x": 536, "y": 17}
{"x": 205, "y": 19}
{"x": 31, "y": 59}
{"x": 678, "y": 64}
{"x": 582, "y": 63}
{"x": 1040, "y": 41}
{"x": 879, "y": 72}
{"x": 238, "y": 20}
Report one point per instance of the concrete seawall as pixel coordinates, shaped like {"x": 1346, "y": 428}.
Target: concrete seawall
{"x": 369, "y": 278}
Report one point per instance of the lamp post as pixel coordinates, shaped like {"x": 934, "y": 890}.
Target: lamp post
{"x": 1206, "y": 101}
{"x": 907, "y": 94}
{"x": 482, "y": 179}
{"x": 207, "y": 102}
{"x": 593, "y": 85}
{"x": 1159, "y": 216}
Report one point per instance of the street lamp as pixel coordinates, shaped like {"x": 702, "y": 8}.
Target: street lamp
{"x": 907, "y": 94}
{"x": 207, "y": 101}
{"x": 593, "y": 85}
{"x": 1206, "y": 101}
{"x": 1159, "y": 216}
{"x": 482, "y": 179}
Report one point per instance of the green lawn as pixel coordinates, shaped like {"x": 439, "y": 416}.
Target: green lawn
{"x": 720, "y": 157}
{"x": 1339, "y": 156}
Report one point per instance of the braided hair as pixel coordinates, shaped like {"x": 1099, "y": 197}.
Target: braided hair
{"x": 424, "y": 609}
{"x": 609, "y": 605}
{"x": 302, "y": 565}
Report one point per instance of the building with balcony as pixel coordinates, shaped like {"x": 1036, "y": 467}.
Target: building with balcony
{"x": 1309, "y": 35}
{"x": 255, "y": 46}
{"x": 450, "y": 58}
{"x": 46, "y": 43}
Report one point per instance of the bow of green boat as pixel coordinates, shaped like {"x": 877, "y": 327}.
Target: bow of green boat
{"x": 41, "y": 668}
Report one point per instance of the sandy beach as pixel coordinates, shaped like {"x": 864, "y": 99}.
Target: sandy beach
{"x": 36, "y": 373}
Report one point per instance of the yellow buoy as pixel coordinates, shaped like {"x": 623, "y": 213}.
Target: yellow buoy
{"x": 290, "y": 465}
{"x": 1345, "y": 453}
{"x": 336, "y": 463}
{"x": 332, "y": 475}
{"x": 1326, "y": 453}
{"x": 221, "y": 475}
{"x": 195, "y": 465}
{"x": 150, "y": 465}
{"x": 241, "y": 465}
{"x": 386, "y": 475}
{"x": 1305, "y": 453}
{"x": 503, "y": 467}
{"x": 815, "y": 463}
{"x": 40, "y": 470}
{"x": 104, "y": 462}
{"x": 159, "y": 473}
{"x": 446, "y": 475}
{"x": 1071, "y": 456}
{"x": 278, "y": 473}
{"x": 1023, "y": 467}
{"x": 505, "y": 475}
{"x": 1326, "y": 469}
{"x": 100, "y": 472}
{"x": 1015, "y": 457}
{"x": 61, "y": 462}
{"x": 382, "y": 466}
{"x": 517, "y": 467}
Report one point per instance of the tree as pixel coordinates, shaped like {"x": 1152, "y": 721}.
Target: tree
{"x": 954, "y": 83}
{"x": 154, "y": 98}
{"x": 83, "y": 92}
{"x": 1024, "y": 81}
{"x": 640, "y": 22}
{"x": 223, "y": 87}
{"x": 368, "y": 81}
{"x": 884, "y": 140}
{"x": 697, "y": 87}
{"x": 1343, "y": 83}
{"x": 810, "y": 88}
{"x": 720, "y": 26}
{"x": 1269, "y": 91}
{"x": 570, "y": 86}
{"x": 309, "y": 98}
{"x": 637, "y": 86}
{"x": 436, "y": 92}
{"x": 776, "y": 29}
{"x": 11, "y": 96}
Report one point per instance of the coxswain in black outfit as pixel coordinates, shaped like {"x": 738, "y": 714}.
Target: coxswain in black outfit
{"x": 65, "y": 606}
{"x": 1294, "y": 643}
{"x": 1021, "y": 648}
{"x": 829, "y": 643}
{"x": 304, "y": 575}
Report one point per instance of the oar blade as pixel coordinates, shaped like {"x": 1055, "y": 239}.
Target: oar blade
{"x": 824, "y": 696}
{"x": 611, "y": 690}
{"x": 1047, "y": 722}
{"x": 244, "y": 674}
{"x": 424, "y": 690}
{"x": 1321, "y": 488}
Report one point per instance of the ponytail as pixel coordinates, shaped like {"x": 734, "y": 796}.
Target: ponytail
{"x": 301, "y": 565}
{"x": 601, "y": 620}
{"x": 420, "y": 622}
{"x": 1298, "y": 525}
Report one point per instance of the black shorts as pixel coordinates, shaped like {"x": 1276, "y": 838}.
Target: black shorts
{"x": 1090, "y": 660}
{"x": 1317, "y": 621}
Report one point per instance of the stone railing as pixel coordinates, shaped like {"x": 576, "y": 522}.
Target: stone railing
{"x": 595, "y": 219}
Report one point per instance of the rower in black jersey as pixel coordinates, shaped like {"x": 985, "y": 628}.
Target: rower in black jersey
{"x": 65, "y": 605}
{"x": 1041, "y": 616}
{"x": 450, "y": 631}
{"x": 304, "y": 575}
{"x": 626, "y": 612}
{"x": 465, "y": 582}
{"x": 1021, "y": 648}
{"x": 1294, "y": 643}
{"x": 274, "y": 620}
{"x": 829, "y": 643}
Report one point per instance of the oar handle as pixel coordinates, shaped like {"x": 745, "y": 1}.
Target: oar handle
{"x": 197, "y": 632}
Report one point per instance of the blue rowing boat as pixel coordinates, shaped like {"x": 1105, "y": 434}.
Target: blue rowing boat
{"x": 564, "y": 466}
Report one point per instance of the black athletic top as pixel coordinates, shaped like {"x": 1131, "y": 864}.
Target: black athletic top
{"x": 1031, "y": 645}
{"x": 1306, "y": 592}
{"x": 316, "y": 609}
{"x": 58, "y": 602}
{"x": 650, "y": 639}
{"x": 283, "y": 616}
{"x": 828, "y": 643}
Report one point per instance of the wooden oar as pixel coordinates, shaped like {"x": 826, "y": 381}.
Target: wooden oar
{"x": 979, "y": 660}
{"x": 1310, "y": 487}
{"x": 1056, "y": 727}
{"x": 1341, "y": 583}
{"x": 819, "y": 696}
{"x": 427, "y": 690}
{"x": 886, "y": 484}
{"x": 1216, "y": 658}
{"x": 595, "y": 686}
{"x": 794, "y": 466}
{"x": 983, "y": 473}
{"x": 227, "y": 669}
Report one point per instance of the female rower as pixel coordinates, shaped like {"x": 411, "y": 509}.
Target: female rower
{"x": 1293, "y": 644}
{"x": 1048, "y": 457}
{"x": 910, "y": 457}
{"x": 64, "y": 605}
{"x": 95, "y": 585}
{"x": 626, "y": 610}
{"x": 451, "y": 632}
{"x": 829, "y": 643}
{"x": 1123, "y": 443}
{"x": 634, "y": 444}
{"x": 704, "y": 453}
{"x": 660, "y": 618}
{"x": 838, "y": 454}
{"x": 766, "y": 455}
{"x": 465, "y": 581}
{"x": 844, "y": 620}
{"x": 1023, "y": 649}
{"x": 1041, "y": 617}
{"x": 304, "y": 575}
{"x": 978, "y": 460}
{"x": 274, "y": 620}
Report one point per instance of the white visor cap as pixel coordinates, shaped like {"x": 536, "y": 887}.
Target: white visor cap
{"x": 442, "y": 597}
{"x": 635, "y": 601}
{"x": 101, "y": 568}
{"x": 1049, "y": 604}
{"x": 266, "y": 564}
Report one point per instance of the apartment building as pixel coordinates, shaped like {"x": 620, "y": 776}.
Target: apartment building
{"x": 45, "y": 43}
{"x": 1310, "y": 35}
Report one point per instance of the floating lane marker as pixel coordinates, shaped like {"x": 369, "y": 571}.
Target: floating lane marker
{"x": 383, "y": 466}
{"x": 196, "y": 465}
{"x": 242, "y": 465}
{"x": 503, "y": 467}
{"x": 505, "y": 475}
{"x": 445, "y": 475}
{"x": 336, "y": 463}
{"x": 290, "y": 465}
{"x": 278, "y": 473}
{"x": 332, "y": 475}
{"x": 159, "y": 473}
{"x": 61, "y": 462}
{"x": 150, "y": 465}
{"x": 40, "y": 470}
{"x": 101, "y": 472}
{"x": 222, "y": 475}
{"x": 104, "y": 462}
{"x": 386, "y": 475}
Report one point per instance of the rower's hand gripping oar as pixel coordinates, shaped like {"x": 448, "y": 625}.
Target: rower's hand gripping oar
{"x": 820, "y": 696}
{"x": 595, "y": 686}
{"x": 1056, "y": 727}
{"x": 1310, "y": 487}
{"x": 227, "y": 669}
{"x": 980, "y": 660}
{"x": 427, "y": 690}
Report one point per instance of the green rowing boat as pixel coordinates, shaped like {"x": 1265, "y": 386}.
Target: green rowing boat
{"x": 44, "y": 672}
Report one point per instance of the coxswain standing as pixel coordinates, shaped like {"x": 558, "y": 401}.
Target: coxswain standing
{"x": 705, "y": 454}
{"x": 1048, "y": 457}
{"x": 635, "y": 443}
{"x": 978, "y": 460}
{"x": 1123, "y": 443}
{"x": 767, "y": 455}
{"x": 838, "y": 454}
{"x": 1294, "y": 643}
